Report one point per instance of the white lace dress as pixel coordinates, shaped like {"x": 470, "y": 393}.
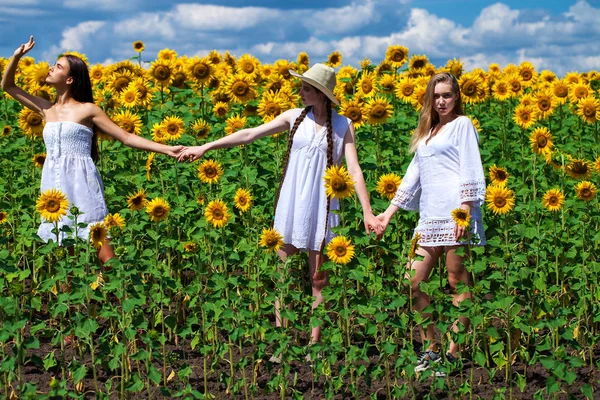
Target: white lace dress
{"x": 444, "y": 173}
{"x": 69, "y": 168}
{"x": 302, "y": 205}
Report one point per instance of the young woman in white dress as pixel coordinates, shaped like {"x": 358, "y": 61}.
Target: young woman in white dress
{"x": 70, "y": 139}
{"x": 318, "y": 138}
{"x": 446, "y": 173}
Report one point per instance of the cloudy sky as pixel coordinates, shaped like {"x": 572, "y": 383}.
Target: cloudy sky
{"x": 560, "y": 35}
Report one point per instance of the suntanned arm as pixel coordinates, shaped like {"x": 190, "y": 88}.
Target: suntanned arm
{"x": 244, "y": 136}
{"x": 34, "y": 103}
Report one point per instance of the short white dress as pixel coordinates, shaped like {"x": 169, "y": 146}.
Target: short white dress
{"x": 302, "y": 205}
{"x": 445, "y": 172}
{"x": 69, "y": 168}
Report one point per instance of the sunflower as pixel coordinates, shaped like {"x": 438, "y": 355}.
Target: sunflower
{"x": 281, "y": 67}
{"x": 210, "y": 171}
{"x": 383, "y": 68}
{"x": 6, "y": 130}
{"x": 588, "y": 109}
{"x": 200, "y": 199}
{"x": 527, "y": 100}
{"x": 541, "y": 140}
{"x": 242, "y": 200}
{"x": 158, "y": 209}
{"x": 173, "y": 127}
{"x": 214, "y": 57}
{"x": 191, "y": 247}
{"x": 146, "y": 93}
{"x": 472, "y": 88}
{"x": 149, "y": 161}
{"x": 39, "y": 159}
{"x": 340, "y": 250}
{"x": 31, "y": 123}
{"x": 97, "y": 73}
{"x": 527, "y": 73}
{"x": 158, "y": 133}
{"x": 378, "y": 110}
{"x": 494, "y": 69}
{"x": 579, "y": 91}
{"x": 499, "y": 199}
{"x": 52, "y": 205}
{"x": 560, "y": 90}
{"x": 271, "y": 239}
{"x": 547, "y": 76}
{"x": 414, "y": 246}
{"x": 498, "y": 175}
{"x": 138, "y": 200}
{"x": 461, "y": 217}
{"x": 387, "y": 83}
{"x": 217, "y": 213}
{"x": 544, "y": 104}
{"x": 388, "y": 184}
{"x": 302, "y": 59}
{"x": 553, "y": 200}
{"x": 220, "y": 109}
{"x": 572, "y": 78}
{"x": 524, "y": 116}
{"x": 161, "y": 72}
{"x": 200, "y": 69}
{"x": 455, "y": 67}
{"x": 354, "y": 110}
{"x": 396, "y": 56}
{"x": 366, "y": 85}
{"x": 167, "y": 55}
{"x": 579, "y": 169}
{"x": 272, "y": 104}
{"x": 240, "y": 88}
{"x": 418, "y": 97}
{"x": 334, "y": 59}
{"x": 248, "y": 65}
{"x": 37, "y": 73}
{"x": 418, "y": 63}
{"x": 138, "y": 46}
{"x": 405, "y": 89}
{"x": 201, "y": 128}
{"x": 118, "y": 81}
{"x": 234, "y": 124}
{"x": 515, "y": 85}
{"x": 128, "y": 121}
{"x": 114, "y": 220}
{"x": 338, "y": 182}
{"x": 180, "y": 76}
{"x": 98, "y": 235}
{"x": 586, "y": 191}
{"x": 130, "y": 96}
{"x": 500, "y": 90}
{"x": 3, "y": 217}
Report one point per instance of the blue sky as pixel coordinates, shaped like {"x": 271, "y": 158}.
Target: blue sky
{"x": 560, "y": 35}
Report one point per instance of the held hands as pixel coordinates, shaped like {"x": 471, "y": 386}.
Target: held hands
{"x": 175, "y": 151}
{"x": 384, "y": 220}
{"x": 372, "y": 224}
{"x": 191, "y": 153}
{"x": 24, "y": 48}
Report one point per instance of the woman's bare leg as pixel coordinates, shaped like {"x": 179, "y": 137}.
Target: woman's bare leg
{"x": 318, "y": 280}
{"x": 457, "y": 273}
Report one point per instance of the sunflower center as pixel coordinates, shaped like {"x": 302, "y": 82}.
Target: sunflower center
{"x": 542, "y": 141}
{"x": 366, "y": 86}
{"x": 243, "y": 201}
{"x": 408, "y": 90}
{"x": 128, "y": 126}
{"x": 218, "y": 214}
{"x": 525, "y": 116}
{"x": 561, "y": 91}
{"x": 390, "y": 187}
{"x": 502, "y": 89}
{"x": 162, "y": 73}
{"x": 97, "y": 75}
{"x": 349, "y": 88}
{"x": 398, "y": 56}
{"x": 469, "y": 88}
{"x": 354, "y": 113}
{"x": 340, "y": 250}
{"x": 179, "y": 80}
{"x": 418, "y": 64}
{"x": 589, "y": 111}
{"x": 200, "y": 71}
{"x": 526, "y": 75}
{"x": 34, "y": 119}
{"x": 210, "y": 172}
{"x": 173, "y": 129}
{"x": 52, "y": 205}
{"x": 239, "y": 88}
{"x": 579, "y": 168}
{"x": 271, "y": 241}
{"x": 500, "y": 176}
{"x": 553, "y": 200}
{"x": 137, "y": 200}
{"x": 544, "y": 104}
{"x": 130, "y": 97}
{"x": 203, "y": 132}
{"x": 159, "y": 211}
{"x": 515, "y": 86}
{"x": 499, "y": 201}
{"x": 378, "y": 111}
{"x": 97, "y": 235}
{"x": 334, "y": 59}
{"x": 272, "y": 109}
{"x": 586, "y": 192}
{"x": 248, "y": 67}
{"x": 580, "y": 92}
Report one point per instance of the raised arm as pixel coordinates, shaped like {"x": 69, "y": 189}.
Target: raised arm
{"x": 34, "y": 103}
{"x": 371, "y": 223}
{"x": 244, "y": 136}
{"x": 101, "y": 120}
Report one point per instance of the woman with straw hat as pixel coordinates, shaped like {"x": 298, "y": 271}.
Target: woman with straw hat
{"x": 318, "y": 139}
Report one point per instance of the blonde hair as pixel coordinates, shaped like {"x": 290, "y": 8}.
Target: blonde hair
{"x": 429, "y": 117}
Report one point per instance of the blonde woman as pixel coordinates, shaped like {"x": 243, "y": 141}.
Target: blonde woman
{"x": 445, "y": 174}
{"x": 319, "y": 138}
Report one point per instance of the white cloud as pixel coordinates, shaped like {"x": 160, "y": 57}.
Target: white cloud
{"x": 146, "y": 25}
{"x": 21, "y": 12}
{"x": 106, "y": 5}
{"x": 219, "y": 18}
{"x": 74, "y": 38}
{"x": 340, "y": 20}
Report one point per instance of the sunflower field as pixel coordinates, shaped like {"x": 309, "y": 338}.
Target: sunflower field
{"x": 186, "y": 309}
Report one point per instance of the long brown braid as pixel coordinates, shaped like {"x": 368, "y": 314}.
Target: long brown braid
{"x": 287, "y": 155}
{"x": 329, "y": 164}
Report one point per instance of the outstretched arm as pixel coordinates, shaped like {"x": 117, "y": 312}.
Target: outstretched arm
{"x": 371, "y": 223}
{"x": 34, "y": 103}
{"x": 244, "y": 136}
{"x": 101, "y": 120}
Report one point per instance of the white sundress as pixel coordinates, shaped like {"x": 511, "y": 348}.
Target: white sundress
{"x": 69, "y": 168}
{"x": 445, "y": 172}
{"x": 301, "y": 209}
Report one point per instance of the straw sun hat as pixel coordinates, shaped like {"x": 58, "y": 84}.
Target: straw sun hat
{"x": 321, "y": 77}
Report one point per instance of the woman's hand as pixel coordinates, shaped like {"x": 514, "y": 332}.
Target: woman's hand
{"x": 460, "y": 232}
{"x": 372, "y": 224}
{"x": 175, "y": 151}
{"x": 24, "y": 48}
{"x": 384, "y": 220}
{"x": 191, "y": 153}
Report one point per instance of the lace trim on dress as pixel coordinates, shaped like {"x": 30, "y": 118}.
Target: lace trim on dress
{"x": 472, "y": 191}
{"x": 441, "y": 232}
{"x": 406, "y": 200}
